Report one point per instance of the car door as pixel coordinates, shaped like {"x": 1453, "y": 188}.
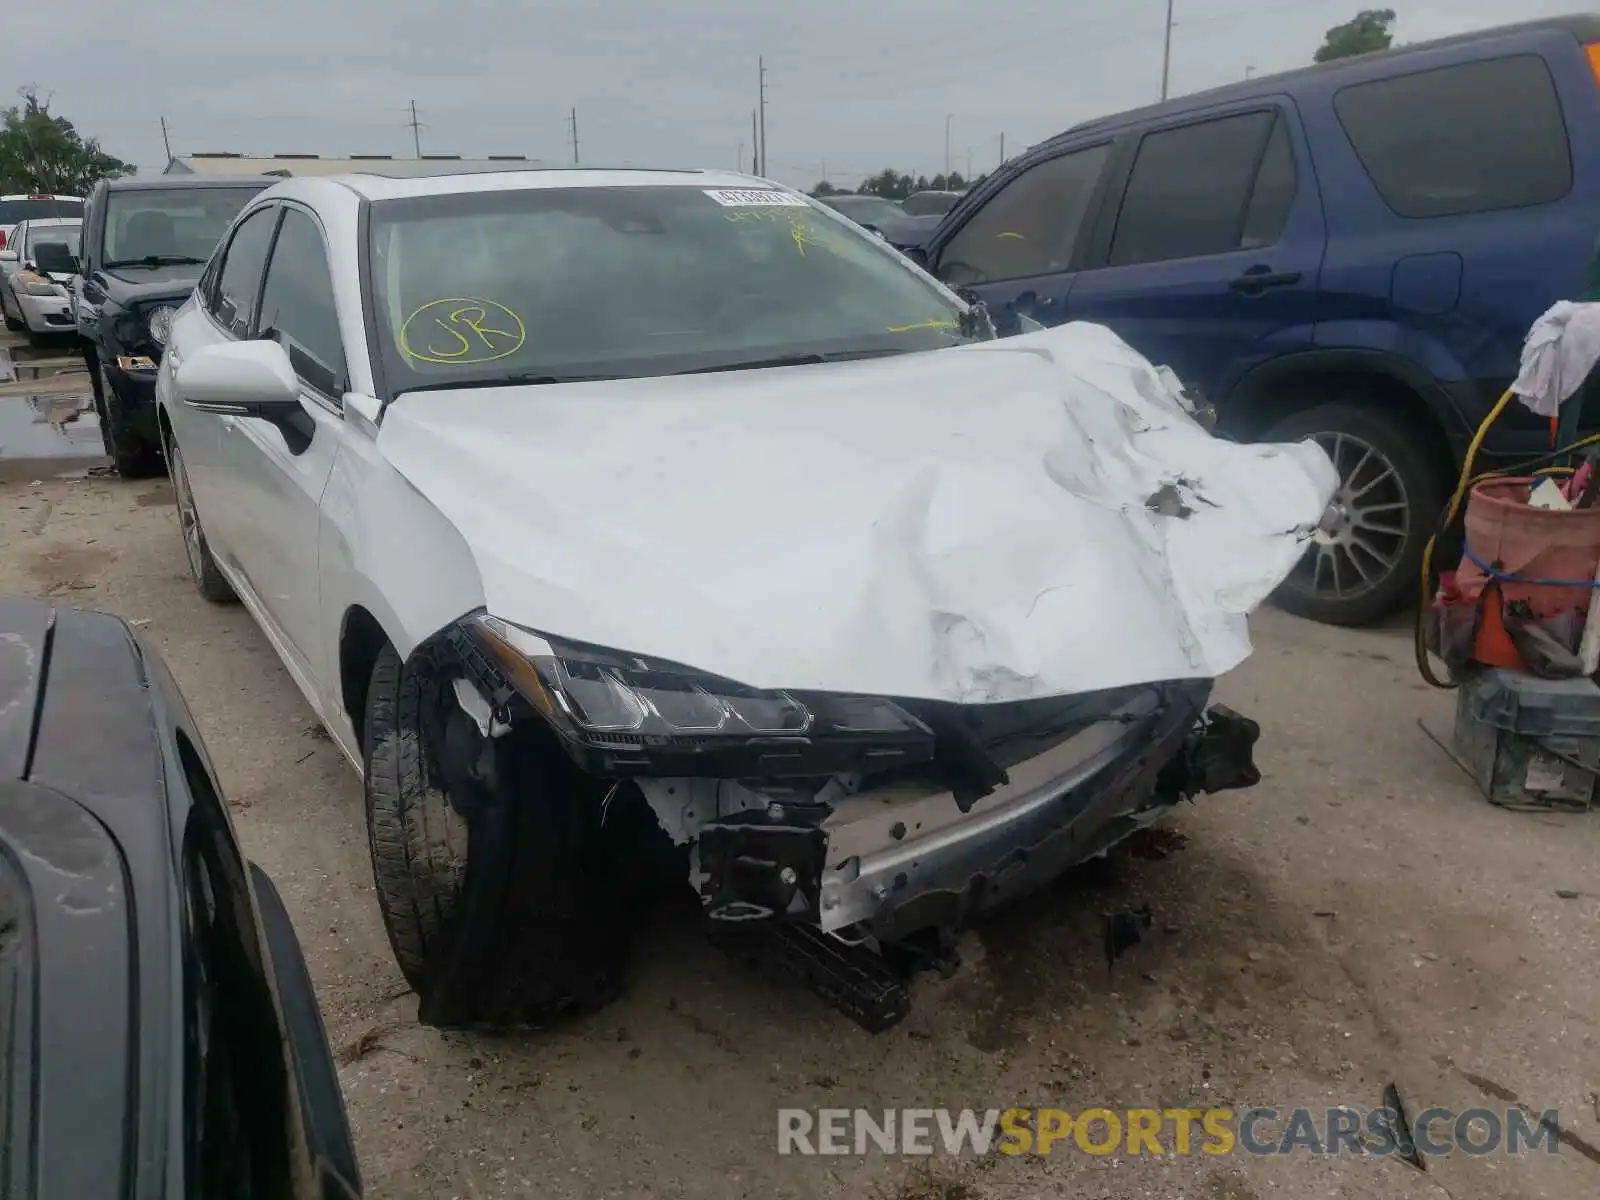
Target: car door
{"x": 1018, "y": 248}
{"x": 278, "y": 469}
{"x": 228, "y": 295}
{"x": 1208, "y": 250}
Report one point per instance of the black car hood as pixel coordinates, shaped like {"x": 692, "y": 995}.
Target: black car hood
{"x": 136, "y": 283}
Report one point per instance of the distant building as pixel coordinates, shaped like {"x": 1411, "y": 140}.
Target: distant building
{"x": 314, "y": 164}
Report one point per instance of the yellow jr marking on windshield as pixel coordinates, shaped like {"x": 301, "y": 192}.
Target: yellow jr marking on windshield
{"x": 936, "y": 323}
{"x": 462, "y": 329}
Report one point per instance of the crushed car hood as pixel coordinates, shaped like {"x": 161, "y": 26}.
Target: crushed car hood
{"x": 1028, "y": 517}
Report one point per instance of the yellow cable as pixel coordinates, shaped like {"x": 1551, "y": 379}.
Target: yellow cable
{"x": 1463, "y": 484}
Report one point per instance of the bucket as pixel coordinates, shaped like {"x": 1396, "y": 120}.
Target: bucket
{"x": 1531, "y": 544}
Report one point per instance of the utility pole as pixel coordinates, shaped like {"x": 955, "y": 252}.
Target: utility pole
{"x": 1166, "y": 53}
{"x": 166, "y": 142}
{"x": 416, "y": 130}
{"x": 1002, "y": 148}
{"x": 755, "y": 146}
{"x": 969, "y": 162}
{"x": 947, "y": 118}
{"x": 574, "y": 137}
{"x": 761, "y": 95}
{"x": 738, "y": 161}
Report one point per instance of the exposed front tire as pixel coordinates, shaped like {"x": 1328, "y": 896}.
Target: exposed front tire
{"x": 1365, "y": 559}
{"x": 510, "y": 912}
{"x": 133, "y": 456}
{"x": 208, "y": 580}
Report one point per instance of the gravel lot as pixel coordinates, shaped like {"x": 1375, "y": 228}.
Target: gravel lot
{"x": 1360, "y": 918}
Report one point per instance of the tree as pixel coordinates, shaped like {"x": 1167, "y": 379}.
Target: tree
{"x": 890, "y": 184}
{"x": 1368, "y": 31}
{"x": 41, "y": 152}
{"x": 824, "y": 189}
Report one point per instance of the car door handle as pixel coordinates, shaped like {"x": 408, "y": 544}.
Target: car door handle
{"x": 1254, "y": 282}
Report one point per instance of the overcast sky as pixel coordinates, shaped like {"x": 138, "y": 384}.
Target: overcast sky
{"x": 857, "y": 86}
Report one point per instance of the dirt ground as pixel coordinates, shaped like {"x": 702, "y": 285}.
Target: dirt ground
{"x": 1361, "y": 918}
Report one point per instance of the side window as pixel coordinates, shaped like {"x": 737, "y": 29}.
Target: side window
{"x": 1472, "y": 138}
{"x": 239, "y": 281}
{"x": 1188, "y": 190}
{"x": 1274, "y": 191}
{"x": 297, "y": 307}
{"x": 1030, "y": 226}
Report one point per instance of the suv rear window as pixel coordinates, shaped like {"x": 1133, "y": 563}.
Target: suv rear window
{"x": 1470, "y": 138}
{"x": 31, "y": 209}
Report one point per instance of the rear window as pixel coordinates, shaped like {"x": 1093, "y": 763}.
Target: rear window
{"x": 30, "y": 209}
{"x": 1190, "y": 188}
{"x": 1472, "y": 138}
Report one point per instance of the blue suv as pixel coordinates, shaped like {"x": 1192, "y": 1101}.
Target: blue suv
{"x": 1353, "y": 253}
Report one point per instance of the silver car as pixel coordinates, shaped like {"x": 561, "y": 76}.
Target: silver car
{"x": 34, "y": 299}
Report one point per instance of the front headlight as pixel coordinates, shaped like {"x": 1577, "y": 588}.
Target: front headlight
{"x": 36, "y": 285}
{"x": 159, "y": 322}
{"x": 620, "y": 714}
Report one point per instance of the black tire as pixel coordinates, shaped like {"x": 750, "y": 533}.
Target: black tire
{"x": 130, "y": 453}
{"x": 1386, "y": 562}
{"x": 548, "y": 928}
{"x": 14, "y": 324}
{"x": 208, "y": 580}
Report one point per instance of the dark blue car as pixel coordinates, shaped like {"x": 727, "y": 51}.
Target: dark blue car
{"x": 1353, "y": 252}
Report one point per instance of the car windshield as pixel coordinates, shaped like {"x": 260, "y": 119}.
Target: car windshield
{"x": 552, "y": 284}
{"x": 31, "y": 208}
{"x": 68, "y": 235}
{"x": 169, "y": 224}
{"x": 866, "y": 208}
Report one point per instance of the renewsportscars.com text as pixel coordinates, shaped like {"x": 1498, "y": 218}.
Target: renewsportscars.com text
{"x": 1215, "y": 1131}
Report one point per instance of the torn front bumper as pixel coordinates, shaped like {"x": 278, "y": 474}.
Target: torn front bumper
{"x": 893, "y": 860}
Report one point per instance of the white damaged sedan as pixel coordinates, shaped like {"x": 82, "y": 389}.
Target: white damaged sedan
{"x": 599, "y": 513}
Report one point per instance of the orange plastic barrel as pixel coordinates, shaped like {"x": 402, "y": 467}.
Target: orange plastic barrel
{"x": 1504, "y": 531}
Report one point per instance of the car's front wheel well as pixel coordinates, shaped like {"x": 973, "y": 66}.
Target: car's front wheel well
{"x": 360, "y": 642}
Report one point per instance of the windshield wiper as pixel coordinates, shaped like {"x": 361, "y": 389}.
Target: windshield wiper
{"x": 795, "y": 360}
{"x": 157, "y": 260}
{"x": 531, "y": 379}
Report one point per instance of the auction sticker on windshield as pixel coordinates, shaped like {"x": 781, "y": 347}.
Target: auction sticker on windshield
{"x": 756, "y": 197}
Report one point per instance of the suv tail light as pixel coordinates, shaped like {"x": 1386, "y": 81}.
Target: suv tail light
{"x": 2, "y": 239}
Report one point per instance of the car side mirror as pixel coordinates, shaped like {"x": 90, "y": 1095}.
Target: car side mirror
{"x": 240, "y": 379}
{"x": 53, "y": 258}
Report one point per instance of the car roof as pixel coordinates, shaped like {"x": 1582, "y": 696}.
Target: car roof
{"x": 1584, "y": 27}
{"x": 189, "y": 183}
{"x": 443, "y": 179}
{"x": 38, "y": 196}
{"x": 37, "y": 222}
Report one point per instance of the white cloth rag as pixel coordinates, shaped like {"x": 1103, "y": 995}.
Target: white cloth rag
{"x": 1561, "y": 350}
